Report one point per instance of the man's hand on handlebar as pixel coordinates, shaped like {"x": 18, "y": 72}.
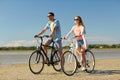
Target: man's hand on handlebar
{"x": 36, "y": 35}
{"x": 41, "y": 36}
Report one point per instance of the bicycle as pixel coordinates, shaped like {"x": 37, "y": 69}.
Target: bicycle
{"x": 37, "y": 58}
{"x": 70, "y": 62}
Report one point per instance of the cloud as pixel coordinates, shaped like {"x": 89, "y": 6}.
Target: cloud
{"x": 18, "y": 43}
{"x": 102, "y": 40}
{"x": 90, "y": 40}
{"x": 1, "y": 43}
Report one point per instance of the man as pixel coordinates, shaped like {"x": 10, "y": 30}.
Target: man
{"x": 55, "y": 32}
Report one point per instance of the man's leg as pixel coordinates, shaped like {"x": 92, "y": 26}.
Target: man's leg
{"x": 45, "y": 48}
{"x": 59, "y": 45}
{"x": 60, "y": 53}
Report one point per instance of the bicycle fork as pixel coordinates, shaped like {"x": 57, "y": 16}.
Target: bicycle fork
{"x": 37, "y": 58}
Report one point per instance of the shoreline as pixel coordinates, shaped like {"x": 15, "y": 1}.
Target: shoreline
{"x": 26, "y": 63}
{"x": 15, "y": 57}
{"x": 105, "y": 49}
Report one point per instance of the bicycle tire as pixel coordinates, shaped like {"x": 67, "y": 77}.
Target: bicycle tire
{"x": 90, "y": 61}
{"x": 56, "y": 61}
{"x": 36, "y": 62}
{"x": 69, "y": 65}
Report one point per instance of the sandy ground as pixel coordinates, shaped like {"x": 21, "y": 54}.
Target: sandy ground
{"x": 106, "y": 69}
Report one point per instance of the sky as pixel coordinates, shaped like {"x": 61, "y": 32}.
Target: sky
{"x": 20, "y": 20}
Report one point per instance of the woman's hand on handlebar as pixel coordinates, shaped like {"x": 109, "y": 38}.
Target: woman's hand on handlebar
{"x": 36, "y": 35}
{"x": 64, "y": 38}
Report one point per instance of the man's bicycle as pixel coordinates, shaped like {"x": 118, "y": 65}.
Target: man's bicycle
{"x": 38, "y": 57}
{"x": 71, "y": 60}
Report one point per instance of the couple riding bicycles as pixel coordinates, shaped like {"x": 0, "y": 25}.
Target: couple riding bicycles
{"x": 55, "y": 38}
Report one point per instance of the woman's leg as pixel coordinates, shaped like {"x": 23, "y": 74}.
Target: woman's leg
{"x": 83, "y": 56}
{"x": 82, "y": 53}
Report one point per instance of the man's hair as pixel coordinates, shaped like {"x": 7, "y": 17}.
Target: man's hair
{"x": 51, "y": 13}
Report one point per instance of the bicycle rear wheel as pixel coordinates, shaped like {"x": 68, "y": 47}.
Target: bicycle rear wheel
{"x": 36, "y": 62}
{"x": 69, "y": 63}
{"x": 56, "y": 61}
{"x": 90, "y": 61}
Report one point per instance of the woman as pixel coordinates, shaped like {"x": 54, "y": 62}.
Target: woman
{"x": 79, "y": 30}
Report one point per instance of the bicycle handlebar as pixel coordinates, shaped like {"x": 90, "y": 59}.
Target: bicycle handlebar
{"x": 47, "y": 36}
{"x": 41, "y": 36}
{"x": 70, "y": 38}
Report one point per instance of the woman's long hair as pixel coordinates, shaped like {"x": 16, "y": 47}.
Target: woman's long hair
{"x": 81, "y": 23}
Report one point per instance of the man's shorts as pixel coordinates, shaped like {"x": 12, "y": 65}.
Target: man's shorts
{"x": 57, "y": 42}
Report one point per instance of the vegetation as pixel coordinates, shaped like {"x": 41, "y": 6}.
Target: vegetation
{"x": 18, "y": 48}
{"x": 104, "y": 46}
{"x": 92, "y": 46}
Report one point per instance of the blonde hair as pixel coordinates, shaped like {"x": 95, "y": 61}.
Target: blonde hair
{"x": 81, "y": 23}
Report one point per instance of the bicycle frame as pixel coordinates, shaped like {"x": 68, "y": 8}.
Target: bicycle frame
{"x": 52, "y": 47}
{"x": 73, "y": 56}
{"x": 73, "y": 49}
{"x": 38, "y": 57}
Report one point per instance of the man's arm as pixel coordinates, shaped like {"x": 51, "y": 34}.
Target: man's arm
{"x": 41, "y": 32}
{"x": 52, "y": 32}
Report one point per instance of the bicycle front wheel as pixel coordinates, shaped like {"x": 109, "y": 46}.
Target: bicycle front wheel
{"x": 90, "y": 61}
{"x": 36, "y": 62}
{"x": 56, "y": 61}
{"x": 69, "y": 63}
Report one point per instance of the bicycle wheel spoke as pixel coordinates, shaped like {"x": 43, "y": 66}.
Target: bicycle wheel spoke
{"x": 56, "y": 61}
{"x": 36, "y": 62}
{"x": 68, "y": 63}
{"x": 90, "y": 61}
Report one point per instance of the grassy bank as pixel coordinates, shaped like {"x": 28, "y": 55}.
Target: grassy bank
{"x": 91, "y": 46}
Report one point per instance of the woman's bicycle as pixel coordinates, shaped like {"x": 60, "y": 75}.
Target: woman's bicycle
{"x": 70, "y": 62}
{"x": 38, "y": 57}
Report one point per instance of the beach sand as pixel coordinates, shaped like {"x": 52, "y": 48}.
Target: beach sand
{"x": 106, "y": 69}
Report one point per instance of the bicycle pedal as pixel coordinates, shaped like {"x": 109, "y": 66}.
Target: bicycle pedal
{"x": 56, "y": 63}
{"x": 78, "y": 65}
{"x": 48, "y": 64}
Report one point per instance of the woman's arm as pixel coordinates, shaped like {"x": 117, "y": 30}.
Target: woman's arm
{"x": 71, "y": 31}
{"x": 83, "y": 36}
{"x": 85, "y": 42}
{"x": 82, "y": 31}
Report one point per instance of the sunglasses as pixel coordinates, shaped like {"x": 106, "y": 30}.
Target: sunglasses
{"x": 49, "y": 16}
{"x": 76, "y": 19}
